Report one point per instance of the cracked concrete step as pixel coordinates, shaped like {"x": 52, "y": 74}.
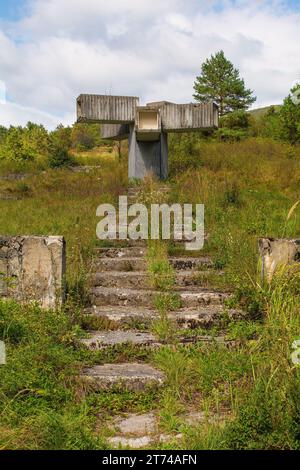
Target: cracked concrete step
{"x": 134, "y": 377}
{"x": 189, "y": 263}
{"x": 102, "y": 339}
{"x": 140, "y": 297}
{"x": 120, "y": 264}
{"x": 143, "y": 430}
{"x": 127, "y": 243}
{"x": 125, "y": 252}
{"x": 141, "y": 280}
{"x": 204, "y": 317}
{"x": 140, "y": 264}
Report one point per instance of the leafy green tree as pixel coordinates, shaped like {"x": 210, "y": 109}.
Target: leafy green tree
{"x": 61, "y": 137}
{"x": 3, "y": 132}
{"x": 290, "y": 116}
{"x": 220, "y": 81}
{"x": 236, "y": 120}
{"x": 14, "y": 145}
{"x": 269, "y": 124}
{"x": 85, "y": 136}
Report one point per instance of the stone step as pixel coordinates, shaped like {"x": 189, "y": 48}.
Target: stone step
{"x": 189, "y": 262}
{"x": 134, "y": 377}
{"x": 120, "y": 264}
{"x": 143, "y": 430}
{"x": 117, "y": 243}
{"x": 126, "y": 252}
{"x": 141, "y": 279}
{"x": 204, "y": 317}
{"x": 134, "y": 192}
{"x": 140, "y": 297}
{"x": 141, "y": 264}
{"x": 102, "y": 339}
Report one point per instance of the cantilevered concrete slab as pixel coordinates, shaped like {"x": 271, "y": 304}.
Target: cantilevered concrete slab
{"x": 145, "y": 127}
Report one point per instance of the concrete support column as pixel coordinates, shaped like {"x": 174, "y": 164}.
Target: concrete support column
{"x": 147, "y": 156}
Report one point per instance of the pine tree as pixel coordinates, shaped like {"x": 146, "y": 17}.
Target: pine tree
{"x": 290, "y": 116}
{"x": 220, "y": 81}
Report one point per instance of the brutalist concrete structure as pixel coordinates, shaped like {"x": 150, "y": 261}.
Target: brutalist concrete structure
{"x": 145, "y": 127}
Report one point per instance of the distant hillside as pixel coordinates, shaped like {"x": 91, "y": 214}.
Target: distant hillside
{"x": 259, "y": 112}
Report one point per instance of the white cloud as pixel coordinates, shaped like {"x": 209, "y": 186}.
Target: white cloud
{"x": 150, "y": 49}
{"x": 15, "y": 115}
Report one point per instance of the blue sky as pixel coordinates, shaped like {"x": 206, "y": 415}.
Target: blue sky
{"x": 11, "y": 9}
{"x": 53, "y": 50}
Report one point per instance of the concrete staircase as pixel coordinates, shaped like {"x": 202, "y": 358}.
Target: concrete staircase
{"x": 121, "y": 295}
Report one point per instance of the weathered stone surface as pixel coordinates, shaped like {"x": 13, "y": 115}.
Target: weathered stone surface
{"x": 138, "y": 431}
{"x": 137, "y": 425}
{"x": 140, "y": 264}
{"x": 194, "y": 299}
{"x": 125, "y": 252}
{"x": 33, "y": 268}
{"x": 121, "y": 264}
{"x": 141, "y": 280}
{"x": 195, "y": 418}
{"x": 122, "y": 314}
{"x": 14, "y": 176}
{"x": 124, "y": 297}
{"x": 143, "y": 297}
{"x": 187, "y": 262}
{"x": 133, "y": 376}
{"x": 102, "y": 339}
{"x": 202, "y": 316}
{"x": 121, "y": 279}
{"x": 129, "y": 442}
{"x": 276, "y": 253}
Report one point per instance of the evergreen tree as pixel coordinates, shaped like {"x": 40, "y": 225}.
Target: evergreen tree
{"x": 220, "y": 81}
{"x": 290, "y": 116}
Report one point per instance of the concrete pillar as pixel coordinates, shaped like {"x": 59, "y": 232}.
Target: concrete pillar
{"x": 147, "y": 156}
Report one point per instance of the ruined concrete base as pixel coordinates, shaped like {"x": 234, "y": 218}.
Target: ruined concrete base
{"x": 276, "y": 253}
{"x": 33, "y": 268}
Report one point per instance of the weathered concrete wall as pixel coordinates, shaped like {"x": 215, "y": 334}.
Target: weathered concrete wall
{"x": 106, "y": 108}
{"x": 277, "y": 252}
{"x": 33, "y": 268}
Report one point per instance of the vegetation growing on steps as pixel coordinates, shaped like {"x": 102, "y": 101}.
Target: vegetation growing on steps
{"x": 248, "y": 188}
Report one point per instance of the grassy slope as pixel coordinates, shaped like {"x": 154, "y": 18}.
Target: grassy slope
{"x": 247, "y": 189}
{"x": 260, "y": 112}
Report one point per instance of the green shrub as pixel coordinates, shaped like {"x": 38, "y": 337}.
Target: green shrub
{"x": 60, "y": 157}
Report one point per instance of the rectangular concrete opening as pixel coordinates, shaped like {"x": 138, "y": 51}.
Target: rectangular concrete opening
{"x": 148, "y": 120}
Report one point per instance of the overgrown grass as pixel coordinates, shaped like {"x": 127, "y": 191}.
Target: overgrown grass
{"x": 41, "y": 406}
{"x": 63, "y": 202}
{"x": 267, "y": 415}
{"x": 247, "y": 188}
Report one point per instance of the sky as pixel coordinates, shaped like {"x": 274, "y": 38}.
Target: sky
{"x": 53, "y": 50}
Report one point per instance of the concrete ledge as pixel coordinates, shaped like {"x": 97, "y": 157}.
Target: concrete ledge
{"x": 277, "y": 252}
{"x": 33, "y": 268}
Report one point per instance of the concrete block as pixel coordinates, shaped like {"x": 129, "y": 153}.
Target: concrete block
{"x": 33, "y": 269}
{"x": 276, "y": 253}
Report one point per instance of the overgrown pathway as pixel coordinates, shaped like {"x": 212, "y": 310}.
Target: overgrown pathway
{"x": 124, "y": 298}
